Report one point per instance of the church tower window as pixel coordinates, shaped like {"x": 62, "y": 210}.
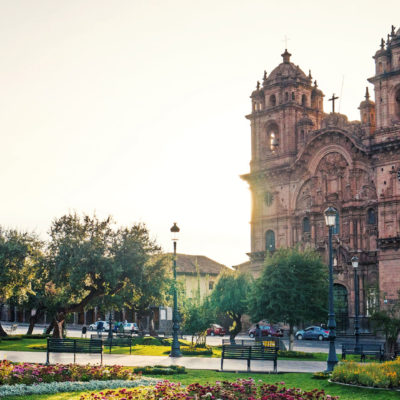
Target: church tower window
{"x": 397, "y": 102}
{"x": 336, "y": 228}
{"x": 270, "y": 241}
{"x": 272, "y": 100}
{"x": 293, "y": 97}
{"x": 306, "y": 225}
{"x": 371, "y": 217}
{"x": 304, "y": 100}
{"x": 286, "y": 96}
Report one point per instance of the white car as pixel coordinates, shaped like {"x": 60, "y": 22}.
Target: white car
{"x": 93, "y": 327}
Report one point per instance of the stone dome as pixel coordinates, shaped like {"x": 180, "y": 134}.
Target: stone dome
{"x": 286, "y": 70}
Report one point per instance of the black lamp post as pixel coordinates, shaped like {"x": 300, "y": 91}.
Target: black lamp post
{"x": 330, "y": 220}
{"x": 175, "y": 348}
{"x": 354, "y": 262}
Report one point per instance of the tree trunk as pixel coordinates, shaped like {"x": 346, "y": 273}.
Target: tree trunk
{"x": 33, "y": 319}
{"x": 291, "y": 337}
{"x": 236, "y": 327}
{"x": 3, "y": 333}
{"x": 50, "y": 327}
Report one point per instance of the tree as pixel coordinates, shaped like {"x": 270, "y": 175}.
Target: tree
{"x": 88, "y": 260}
{"x": 387, "y": 321}
{"x": 230, "y": 297}
{"x": 293, "y": 288}
{"x": 197, "y": 318}
{"x": 20, "y": 254}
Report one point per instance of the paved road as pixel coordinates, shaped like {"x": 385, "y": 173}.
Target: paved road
{"x": 188, "y": 362}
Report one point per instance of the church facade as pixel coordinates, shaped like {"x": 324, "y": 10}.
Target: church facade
{"x": 305, "y": 160}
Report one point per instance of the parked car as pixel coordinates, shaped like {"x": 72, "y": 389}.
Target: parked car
{"x": 93, "y": 327}
{"x": 215, "y": 330}
{"x": 312, "y": 332}
{"x": 266, "y": 330}
{"x": 128, "y": 327}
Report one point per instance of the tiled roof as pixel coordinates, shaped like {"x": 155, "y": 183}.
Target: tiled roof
{"x": 186, "y": 264}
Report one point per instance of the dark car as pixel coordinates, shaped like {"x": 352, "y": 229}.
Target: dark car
{"x": 313, "y": 333}
{"x": 266, "y": 330}
{"x": 216, "y": 330}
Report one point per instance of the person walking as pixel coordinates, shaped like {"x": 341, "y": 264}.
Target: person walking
{"x": 258, "y": 333}
{"x": 100, "y": 327}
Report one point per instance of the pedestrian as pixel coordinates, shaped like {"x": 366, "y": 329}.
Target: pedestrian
{"x": 100, "y": 327}
{"x": 258, "y": 333}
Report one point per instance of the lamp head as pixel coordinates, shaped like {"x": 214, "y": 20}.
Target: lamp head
{"x": 175, "y": 232}
{"x": 354, "y": 262}
{"x": 330, "y": 216}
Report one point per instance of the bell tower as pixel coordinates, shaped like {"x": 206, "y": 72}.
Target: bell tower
{"x": 387, "y": 81}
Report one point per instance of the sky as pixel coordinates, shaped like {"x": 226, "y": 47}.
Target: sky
{"x": 136, "y": 109}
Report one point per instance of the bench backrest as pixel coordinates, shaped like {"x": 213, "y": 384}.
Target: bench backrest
{"x": 74, "y": 345}
{"x": 249, "y": 352}
{"x": 236, "y": 351}
{"x": 363, "y": 346}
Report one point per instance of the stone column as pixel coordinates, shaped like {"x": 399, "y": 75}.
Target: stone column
{"x": 75, "y": 318}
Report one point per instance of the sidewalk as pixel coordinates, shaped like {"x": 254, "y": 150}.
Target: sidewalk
{"x": 141, "y": 361}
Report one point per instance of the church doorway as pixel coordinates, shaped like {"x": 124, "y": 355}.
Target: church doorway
{"x": 341, "y": 307}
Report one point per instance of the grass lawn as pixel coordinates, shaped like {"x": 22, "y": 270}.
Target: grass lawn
{"x": 303, "y": 381}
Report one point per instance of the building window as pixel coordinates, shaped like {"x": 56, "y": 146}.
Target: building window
{"x": 306, "y": 225}
{"x": 336, "y": 228}
{"x": 272, "y": 100}
{"x": 270, "y": 241}
{"x": 371, "y": 216}
{"x": 211, "y": 285}
{"x": 293, "y": 98}
{"x": 397, "y": 102}
{"x": 286, "y": 96}
{"x": 304, "y": 100}
{"x": 268, "y": 198}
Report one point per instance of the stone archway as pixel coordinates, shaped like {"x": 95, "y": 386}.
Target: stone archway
{"x": 341, "y": 307}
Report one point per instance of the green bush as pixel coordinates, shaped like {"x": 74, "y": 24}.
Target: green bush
{"x": 196, "y": 351}
{"x": 147, "y": 341}
{"x": 11, "y": 338}
{"x": 160, "y": 370}
{"x": 295, "y": 354}
{"x": 36, "y": 336}
{"x": 321, "y": 375}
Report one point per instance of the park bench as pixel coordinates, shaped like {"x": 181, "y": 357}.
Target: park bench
{"x": 91, "y": 346}
{"x": 252, "y": 352}
{"x": 364, "y": 349}
{"x": 12, "y": 328}
{"x": 120, "y": 340}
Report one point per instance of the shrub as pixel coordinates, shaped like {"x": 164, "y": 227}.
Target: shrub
{"x": 147, "y": 341}
{"x": 321, "y": 375}
{"x": 196, "y": 351}
{"x": 11, "y": 338}
{"x": 160, "y": 370}
{"x": 295, "y": 354}
{"x": 385, "y": 375}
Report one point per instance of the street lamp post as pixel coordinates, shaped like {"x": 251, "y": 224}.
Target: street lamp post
{"x": 354, "y": 262}
{"x": 330, "y": 220}
{"x": 175, "y": 348}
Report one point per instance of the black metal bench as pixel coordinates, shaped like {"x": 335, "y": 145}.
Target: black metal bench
{"x": 252, "y": 352}
{"x": 91, "y": 346}
{"x": 120, "y": 340}
{"x": 364, "y": 349}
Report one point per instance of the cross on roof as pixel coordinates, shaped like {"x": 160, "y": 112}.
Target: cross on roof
{"x": 285, "y": 40}
{"x": 332, "y": 99}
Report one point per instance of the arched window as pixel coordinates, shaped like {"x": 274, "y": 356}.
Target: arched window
{"x": 304, "y": 100}
{"x": 273, "y": 136}
{"x": 270, "y": 241}
{"x": 286, "y": 96}
{"x": 272, "y": 100}
{"x": 302, "y": 135}
{"x": 293, "y": 98}
{"x": 371, "y": 216}
{"x": 336, "y": 228}
{"x": 306, "y": 225}
{"x": 397, "y": 102}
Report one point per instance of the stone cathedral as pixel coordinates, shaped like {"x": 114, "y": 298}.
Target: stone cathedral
{"x": 305, "y": 160}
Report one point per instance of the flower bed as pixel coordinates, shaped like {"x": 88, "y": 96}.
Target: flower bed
{"x": 385, "y": 375}
{"x": 242, "y": 389}
{"x": 26, "y": 373}
{"x": 58, "y": 387}
{"x": 160, "y": 370}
